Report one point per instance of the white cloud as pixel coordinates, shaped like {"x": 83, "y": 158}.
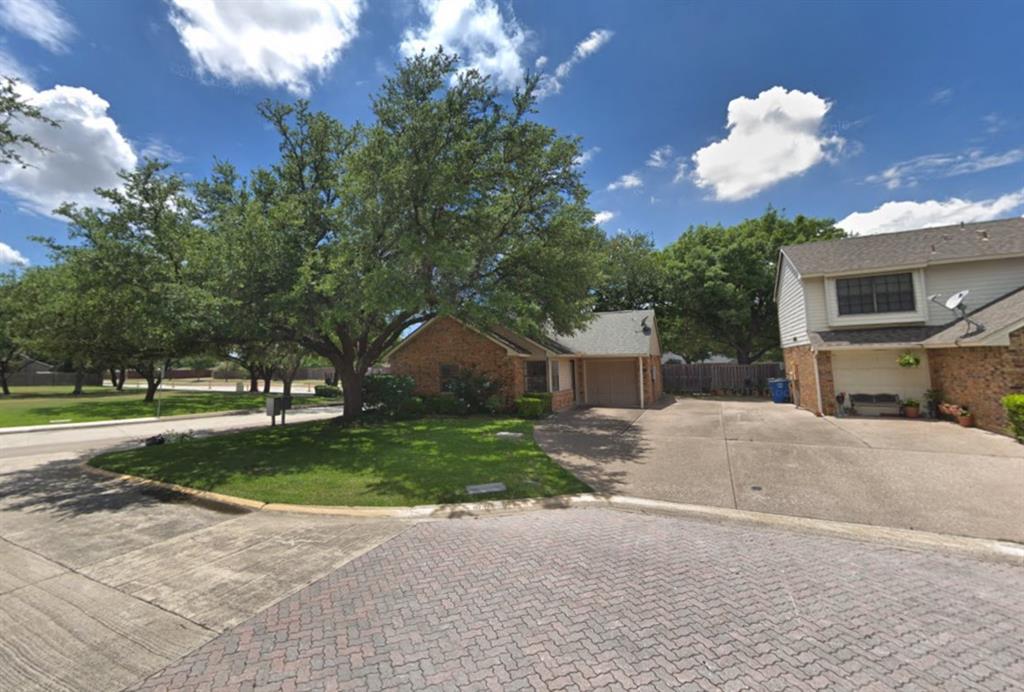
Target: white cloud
{"x": 10, "y": 67}
{"x": 627, "y": 182}
{"x": 158, "y": 149}
{"x": 994, "y": 123}
{"x": 772, "y": 137}
{"x": 587, "y": 156}
{"x": 84, "y": 153}
{"x": 477, "y": 32}
{"x": 595, "y": 40}
{"x": 40, "y": 20}
{"x": 908, "y": 173}
{"x": 941, "y": 96}
{"x": 903, "y": 216}
{"x": 660, "y": 157}
{"x": 10, "y": 256}
{"x": 264, "y": 41}
{"x": 603, "y": 217}
{"x": 541, "y": 62}
{"x": 680, "y": 175}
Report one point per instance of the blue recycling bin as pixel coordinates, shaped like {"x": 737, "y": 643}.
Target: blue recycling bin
{"x": 779, "y": 387}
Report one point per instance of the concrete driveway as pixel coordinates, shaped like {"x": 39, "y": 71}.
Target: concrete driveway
{"x": 102, "y": 584}
{"x": 765, "y": 457}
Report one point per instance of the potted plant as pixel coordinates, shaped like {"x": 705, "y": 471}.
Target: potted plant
{"x": 965, "y": 418}
{"x": 909, "y": 360}
{"x": 911, "y": 408}
{"x": 934, "y": 398}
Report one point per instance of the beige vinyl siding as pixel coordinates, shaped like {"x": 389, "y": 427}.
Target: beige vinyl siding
{"x": 986, "y": 280}
{"x": 879, "y": 372}
{"x": 814, "y": 304}
{"x": 792, "y": 314}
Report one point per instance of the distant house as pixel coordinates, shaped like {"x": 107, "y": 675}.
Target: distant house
{"x": 849, "y": 308}
{"x": 614, "y": 361}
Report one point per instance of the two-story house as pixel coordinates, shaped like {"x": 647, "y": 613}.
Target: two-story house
{"x": 849, "y": 309}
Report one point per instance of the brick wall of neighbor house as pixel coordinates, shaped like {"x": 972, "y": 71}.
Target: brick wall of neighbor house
{"x": 979, "y": 377}
{"x": 446, "y": 341}
{"x": 652, "y": 379}
{"x": 561, "y": 400}
{"x": 799, "y": 364}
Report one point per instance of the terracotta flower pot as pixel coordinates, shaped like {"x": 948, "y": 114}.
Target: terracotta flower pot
{"x": 966, "y": 421}
{"x": 912, "y": 411}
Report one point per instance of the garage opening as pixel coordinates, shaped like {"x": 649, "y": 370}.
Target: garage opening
{"x": 612, "y": 382}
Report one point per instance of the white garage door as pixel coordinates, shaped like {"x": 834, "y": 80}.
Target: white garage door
{"x": 878, "y": 372}
{"x": 612, "y": 383}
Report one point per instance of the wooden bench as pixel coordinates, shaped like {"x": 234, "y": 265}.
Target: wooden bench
{"x": 875, "y": 404}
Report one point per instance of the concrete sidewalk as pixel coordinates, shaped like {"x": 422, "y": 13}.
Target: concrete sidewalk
{"x": 763, "y": 457}
{"x": 103, "y": 582}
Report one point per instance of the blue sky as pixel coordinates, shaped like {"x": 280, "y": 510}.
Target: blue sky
{"x": 887, "y": 116}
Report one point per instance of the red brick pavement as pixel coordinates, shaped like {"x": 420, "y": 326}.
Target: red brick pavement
{"x": 588, "y": 598}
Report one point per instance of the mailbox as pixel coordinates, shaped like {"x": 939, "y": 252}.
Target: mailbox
{"x": 276, "y": 406}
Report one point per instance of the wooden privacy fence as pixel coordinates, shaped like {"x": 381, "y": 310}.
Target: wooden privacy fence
{"x": 721, "y": 378}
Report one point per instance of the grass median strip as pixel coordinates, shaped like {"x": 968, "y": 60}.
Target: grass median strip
{"x": 428, "y": 461}
{"x": 44, "y": 405}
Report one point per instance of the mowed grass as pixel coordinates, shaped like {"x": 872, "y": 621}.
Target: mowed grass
{"x": 426, "y": 461}
{"x": 43, "y": 405}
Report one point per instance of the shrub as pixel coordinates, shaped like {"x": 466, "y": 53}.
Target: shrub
{"x": 529, "y": 407}
{"x": 444, "y": 405}
{"x": 473, "y": 389}
{"x": 413, "y": 407}
{"x": 494, "y": 404}
{"x": 387, "y": 393}
{"x": 327, "y": 390}
{"x": 1014, "y": 405}
{"x": 544, "y": 398}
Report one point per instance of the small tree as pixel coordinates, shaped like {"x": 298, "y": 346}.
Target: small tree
{"x": 13, "y": 310}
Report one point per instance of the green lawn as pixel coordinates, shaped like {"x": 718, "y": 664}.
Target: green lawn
{"x": 42, "y": 405}
{"x": 321, "y": 463}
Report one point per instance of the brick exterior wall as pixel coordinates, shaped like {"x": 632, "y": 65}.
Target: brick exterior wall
{"x": 979, "y": 377}
{"x": 562, "y": 400}
{"x": 799, "y": 364}
{"x": 447, "y": 341}
{"x": 652, "y": 380}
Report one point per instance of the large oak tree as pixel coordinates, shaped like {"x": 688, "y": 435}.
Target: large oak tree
{"x": 452, "y": 200}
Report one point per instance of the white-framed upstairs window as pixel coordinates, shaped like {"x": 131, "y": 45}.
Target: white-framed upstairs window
{"x": 876, "y": 299}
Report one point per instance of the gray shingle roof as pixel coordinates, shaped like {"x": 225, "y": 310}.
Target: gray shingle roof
{"x": 998, "y": 315}
{"x": 909, "y": 248}
{"x": 614, "y": 333}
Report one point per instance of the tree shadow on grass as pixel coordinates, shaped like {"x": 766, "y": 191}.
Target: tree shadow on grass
{"x": 428, "y": 461}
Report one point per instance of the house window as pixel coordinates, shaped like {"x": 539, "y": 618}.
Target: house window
{"x": 536, "y": 376}
{"x": 449, "y": 371}
{"x": 870, "y": 294}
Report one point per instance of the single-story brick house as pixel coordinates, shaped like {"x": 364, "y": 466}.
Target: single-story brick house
{"x": 614, "y": 361}
{"x": 851, "y": 309}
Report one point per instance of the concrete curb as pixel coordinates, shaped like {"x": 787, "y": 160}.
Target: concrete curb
{"x": 980, "y": 548}
{"x": 137, "y": 421}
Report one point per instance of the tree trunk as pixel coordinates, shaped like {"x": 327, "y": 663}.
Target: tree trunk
{"x": 121, "y": 376}
{"x": 113, "y": 376}
{"x": 352, "y": 389}
{"x": 153, "y": 378}
{"x": 79, "y": 381}
{"x": 268, "y": 375}
{"x": 254, "y": 381}
{"x": 3, "y": 382}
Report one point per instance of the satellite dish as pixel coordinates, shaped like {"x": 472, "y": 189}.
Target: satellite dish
{"x": 957, "y": 299}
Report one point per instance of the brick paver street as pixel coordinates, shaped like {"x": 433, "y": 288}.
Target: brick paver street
{"x": 594, "y": 598}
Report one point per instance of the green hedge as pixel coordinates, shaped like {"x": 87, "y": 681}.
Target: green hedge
{"x": 529, "y": 407}
{"x": 327, "y": 390}
{"x": 543, "y": 397}
{"x": 387, "y": 393}
{"x": 1014, "y": 405}
{"x": 445, "y": 404}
